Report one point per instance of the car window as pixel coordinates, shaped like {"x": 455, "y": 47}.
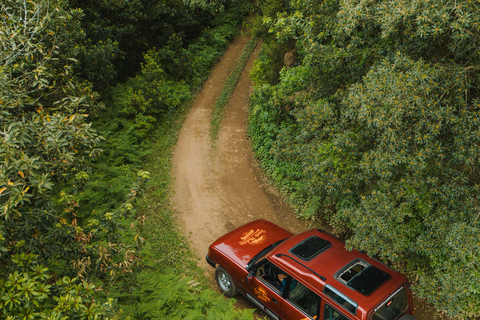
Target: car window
{"x": 342, "y": 299}
{"x": 362, "y": 276}
{"x": 303, "y": 298}
{"x": 393, "y": 307}
{"x": 272, "y": 275}
{"x": 332, "y": 314}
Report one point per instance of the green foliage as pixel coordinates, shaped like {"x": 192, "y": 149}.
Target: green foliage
{"x": 47, "y": 144}
{"x": 68, "y": 193}
{"x": 170, "y": 296}
{"x": 31, "y": 293}
{"x": 375, "y": 132}
{"x": 36, "y": 60}
{"x": 98, "y": 63}
{"x": 45, "y": 137}
{"x": 118, "y": 33}
{"x": 266, "y": 67}
{"x": 149, "y": 95}
{"x": 270, "y": 61}
{"x": 427, "y": 30}
{"x": 208, "y": 5}
{"x": 41, "y": 151}
{"x": 425, "y": 155}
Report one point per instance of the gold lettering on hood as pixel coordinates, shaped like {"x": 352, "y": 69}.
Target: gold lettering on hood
{"x": 254, "y": 237}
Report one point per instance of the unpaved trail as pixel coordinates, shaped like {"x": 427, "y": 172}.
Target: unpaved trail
{"x": 218, "y": 189}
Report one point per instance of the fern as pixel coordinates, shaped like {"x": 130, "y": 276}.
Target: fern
{"x": 171, "y": 296}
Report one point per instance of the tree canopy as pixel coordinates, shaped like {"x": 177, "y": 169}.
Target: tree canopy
{"x": 375, "y": 131}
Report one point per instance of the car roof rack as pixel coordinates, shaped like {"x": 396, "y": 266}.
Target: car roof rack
{"x": 286, "y": 255}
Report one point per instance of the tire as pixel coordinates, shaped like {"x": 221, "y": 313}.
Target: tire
{"x": 225, "y": 282}
{"x": 407, "y": 317}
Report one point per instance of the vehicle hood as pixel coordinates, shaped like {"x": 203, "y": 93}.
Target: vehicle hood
{"x": 243, "y": 243}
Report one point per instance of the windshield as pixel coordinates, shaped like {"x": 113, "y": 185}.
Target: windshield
{"x": 393, "y": 307}
{"x": 262, "y": 254}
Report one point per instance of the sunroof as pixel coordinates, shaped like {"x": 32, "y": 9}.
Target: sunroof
{"x": 311, "y": 247}
{"x": 362, "y": 276}
{"x": 368, "y": 280}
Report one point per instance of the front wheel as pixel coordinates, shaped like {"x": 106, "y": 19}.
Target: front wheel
{"x": 225, "y": 282}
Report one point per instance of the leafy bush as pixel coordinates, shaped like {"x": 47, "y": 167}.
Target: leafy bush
{"x": 150, "y": 95}
{"x": 25, "y": 295}
{"x": 46, "y": 138}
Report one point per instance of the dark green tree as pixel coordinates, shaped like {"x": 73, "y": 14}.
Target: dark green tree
{"x": 118, "y": 33}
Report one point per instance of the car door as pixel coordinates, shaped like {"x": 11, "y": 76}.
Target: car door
{"x": 265, "y": 289}
{"x": 331, "y": 313}
{"x": 300, "y": 302}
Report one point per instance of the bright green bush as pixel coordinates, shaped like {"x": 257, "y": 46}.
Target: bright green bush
{"x": 31, "y": 293}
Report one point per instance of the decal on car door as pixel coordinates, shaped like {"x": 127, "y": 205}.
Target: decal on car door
{"x": 262, "y": 307}
{"x": 261, "y": 294}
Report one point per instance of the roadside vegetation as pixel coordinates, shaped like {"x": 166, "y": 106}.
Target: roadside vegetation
{"x": 86, "y": 231}
{"x": 367, "y": 113}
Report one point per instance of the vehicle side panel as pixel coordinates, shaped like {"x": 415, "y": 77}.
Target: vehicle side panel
{"x": 264, "y": 297}
{"x": 238, "y": 272}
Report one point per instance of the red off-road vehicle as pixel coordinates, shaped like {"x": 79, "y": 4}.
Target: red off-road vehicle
{"x": 307, "y": 276}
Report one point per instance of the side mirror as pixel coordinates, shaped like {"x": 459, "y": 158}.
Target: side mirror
{"x": 250, "y": 275}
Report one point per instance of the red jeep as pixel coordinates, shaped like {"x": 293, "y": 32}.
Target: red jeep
{"x": 307, "y": 276}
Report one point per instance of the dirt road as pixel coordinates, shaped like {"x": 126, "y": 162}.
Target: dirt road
{"x": 220, "y": 188}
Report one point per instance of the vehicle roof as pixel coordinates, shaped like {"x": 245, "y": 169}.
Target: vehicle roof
{"x": 330, "y": 261}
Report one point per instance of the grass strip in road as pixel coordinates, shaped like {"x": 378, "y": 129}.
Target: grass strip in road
{"x": 229, "y": 87}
